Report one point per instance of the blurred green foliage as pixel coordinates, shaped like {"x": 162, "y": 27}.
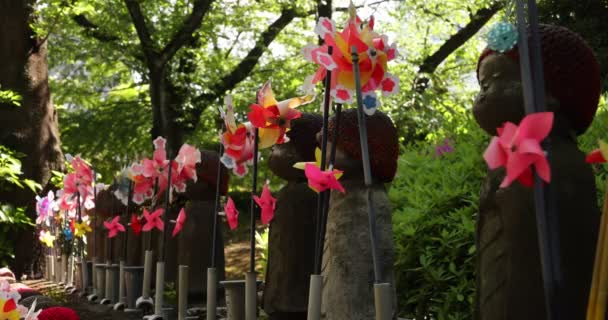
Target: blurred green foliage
{"x": 12, "y": 218}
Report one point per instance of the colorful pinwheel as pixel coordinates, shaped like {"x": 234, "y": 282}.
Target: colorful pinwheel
{"x": 320, "y": 180}
{"x": 179, "y": 222}
{"x": 237, "y": 140}
{"x": 374, "y": 54}
{"x": 114, "y": 227}
{"x": 232, "y": 214}
{"x": 45, "y": 207}
{"x": 267, "y": 204}
{"x": 518, "y": 149}
{"x": 273, "y": 118}
{"x": 47, "y": 238}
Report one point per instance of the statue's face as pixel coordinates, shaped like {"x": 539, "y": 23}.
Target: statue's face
{"x": 501, "y": 97}
{"x": 282, "y": 158}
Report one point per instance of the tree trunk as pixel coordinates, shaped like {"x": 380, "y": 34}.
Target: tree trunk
{"x": 163, "y": 101}
{"x": 31, "y": 128}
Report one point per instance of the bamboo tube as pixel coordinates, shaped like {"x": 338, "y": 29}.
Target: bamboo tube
{"x": 599, "y": 286}
{"x": 596, "y": 266}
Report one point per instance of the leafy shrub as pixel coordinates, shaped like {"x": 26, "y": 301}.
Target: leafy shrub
{"x": 12, "y": 218}
{"x": 435, "y": 202}
{"x": 435, "y": 199}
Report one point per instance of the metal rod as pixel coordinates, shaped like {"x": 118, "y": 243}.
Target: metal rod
{"x": 252, "y": 210}
{"x": 126, "y": 242}
{"x": 324, "y": 215}
{"x": 534, "y": 99}
{"x": 95, "y": 216}
{"x": 324, "y": 194}
{"x": 153, "y": 203}
{"x": 218, "y": 185}
{"x": 165, "y": 234}
{"x": 79, "y": 217}
{"x": 367, "y": 172}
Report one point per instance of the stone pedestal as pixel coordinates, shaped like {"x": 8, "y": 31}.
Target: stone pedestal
{"x": 348, "y": 291}
{"x": 291, "y": 251}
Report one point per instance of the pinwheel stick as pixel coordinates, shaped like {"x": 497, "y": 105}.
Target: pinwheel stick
{"x": 367, "y": 172}
{"x": 382, "y": 291}
{"x": 94, "y": 219}
{"x": 218, "y": 185}
{"x": 321, "y": 199}
{"x": 163, "y": 239}
{"x": 126, "y": 242}
{"x": 79, "y": 217}
{"x": 211, "y": 272}
{"x": 596, "y": 308}
{"x": 323, "y": 221}
{"x": 534, "y": 100}
{"x": 254, "y": 186}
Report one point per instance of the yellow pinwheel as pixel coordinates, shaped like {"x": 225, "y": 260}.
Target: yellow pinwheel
{"x": 81, "y": 229}
{"x": 47, "y": 238}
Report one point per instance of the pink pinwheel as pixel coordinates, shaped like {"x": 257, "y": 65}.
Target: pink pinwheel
{"x": 135, "y": 225}
{"x": 153, "y": 220}
{"x": 187, "y": 158}
{"x": 232, "y": 214}
{"x": 237, "y": 141}
{"x": 374, "y": 54}
{"x": 267, "y": 203}
{"x": 320, "y": 181}
{"x": 157, "y": 167}
{"x": 45, "y": 207}
{"x": 114, "y": 227}
{"x": 273, "y": 118}
{"x": 142, "y": 186}
{"x": 179, "y": 222}
{"x": 518, "y": 148}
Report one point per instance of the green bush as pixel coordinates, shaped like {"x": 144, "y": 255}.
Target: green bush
{"x": 435, "y": 201}
{"x": 12, "y": 218}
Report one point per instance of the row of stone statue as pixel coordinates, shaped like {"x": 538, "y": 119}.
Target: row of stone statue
{"x": 347, "y": 265}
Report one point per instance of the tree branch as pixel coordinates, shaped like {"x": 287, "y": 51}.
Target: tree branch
{"x": 143, "y": 33}
{"x": 93, "y": 29}
{"x": 430, "y": 63}
{"x": 201, "y": 7}
{"x": 244, "y": 68}
{"x": 478, "y": 20}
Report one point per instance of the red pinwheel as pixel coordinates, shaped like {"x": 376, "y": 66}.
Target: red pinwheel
{"x": 232, "y": 214}
{"x": 598, "y": 155}
{"x": 267, "y": 203}
{"x": 518, "y": 149}
{"x": 135, "y": 225}
{"x": 153, "y": 220}
{"x": 114, "y": 227}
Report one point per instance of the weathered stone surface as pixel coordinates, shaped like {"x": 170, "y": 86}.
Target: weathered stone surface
{"x": 291, "y": 250}
{"x": 509, "y": 279}
{"x": 291, "y": 239}
{"x": 348, "y": 273}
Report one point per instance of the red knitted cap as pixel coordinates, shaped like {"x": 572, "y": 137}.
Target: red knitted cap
{"x": 381, "y": 137}
{"x": 58, "y": 313}
{"x": 572, "y": 73}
